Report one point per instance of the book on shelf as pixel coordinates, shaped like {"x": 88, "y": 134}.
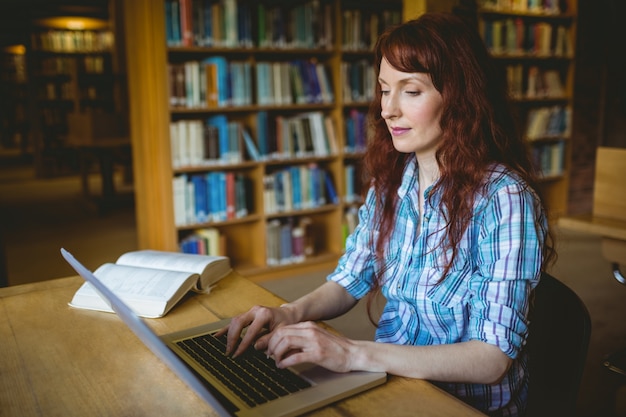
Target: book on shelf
{"x": 302, "y": 135}
{"x": 216, "y": 142}
{"x": 545, "y": 122}
{"x": 231, "y": 24}
{"x": 152, "y": 282}
{"x": 204, "y": 241}
{"x": 298, "y": 187}
{"x": 71, "y": 41}
{"x": 213, "y": 196}
{"x": 530, "y": 6}
{"x": 352, "y": 178}
{"x": 251, "y": 148}
{"x": 216, "y": 82}
{"x": 356, "y": 131}
{"x": 289, "y": 241}
{"x": 548, "y": 158}
{"x": 518, "y": 37}
{"x": 361, "y": 28}
{"x": 357, "y": 81}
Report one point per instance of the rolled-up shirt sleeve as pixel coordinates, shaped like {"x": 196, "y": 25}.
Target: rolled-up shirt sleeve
{"x": 509, "y": 260}
{"x": 355, "y": 269}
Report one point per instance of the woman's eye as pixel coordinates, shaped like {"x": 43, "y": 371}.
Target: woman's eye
{"x": 384, "y": 92}
{"x": 413, "y": 93}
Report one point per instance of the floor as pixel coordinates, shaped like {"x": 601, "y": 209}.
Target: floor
{"x": 41, "y": 216}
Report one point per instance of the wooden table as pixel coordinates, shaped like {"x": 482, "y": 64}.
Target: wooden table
{"x": 60, "y": 361}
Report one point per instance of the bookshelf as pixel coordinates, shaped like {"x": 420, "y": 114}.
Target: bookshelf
{"x": 13, "y": 101}
{"x": 159, "y": 113}
{"x": 534, "y": 43}
{"x": 71, "y": 72}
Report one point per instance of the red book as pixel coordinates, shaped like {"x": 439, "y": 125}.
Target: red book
{"x": 186, "y": 22}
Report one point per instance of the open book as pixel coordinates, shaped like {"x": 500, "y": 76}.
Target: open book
{"x": 152, "y": 282}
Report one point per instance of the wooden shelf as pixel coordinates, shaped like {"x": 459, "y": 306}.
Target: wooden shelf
{"x": 554, "y": 184}
{"x": 151, "y": 113}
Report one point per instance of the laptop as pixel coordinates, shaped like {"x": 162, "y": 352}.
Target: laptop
{"x": 236, "y": 387}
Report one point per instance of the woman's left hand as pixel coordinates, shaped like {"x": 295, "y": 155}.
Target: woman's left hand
{"x": 309, "y": 343}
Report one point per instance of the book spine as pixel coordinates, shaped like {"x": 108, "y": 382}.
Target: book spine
{"x": 273, "y": 242}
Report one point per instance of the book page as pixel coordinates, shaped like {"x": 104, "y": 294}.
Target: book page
{"x": 149, "y": 292}
{"x": 210, "y": 268}
{"x": 141, "y": 282}
{"x": 166, "y": 260}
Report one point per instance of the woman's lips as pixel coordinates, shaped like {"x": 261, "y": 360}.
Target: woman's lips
{"x": 397, "y": 131}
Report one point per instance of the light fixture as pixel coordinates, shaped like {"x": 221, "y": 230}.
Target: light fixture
{"x": 15, "y": 49}
{"x": 72, "y": 23}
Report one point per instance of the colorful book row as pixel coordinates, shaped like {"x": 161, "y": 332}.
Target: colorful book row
{"x": 298, "y": 187}
{"x": 549, "y": 122}
{"x": 358, "y": 81}
{"x": 244, "y": 24}
{"x": 536, "y": 83}
{"x": 209, "y": 197}
{"x": 517, "y": 37}
{"x": 204, "y": 241}
{"x": 217, "y": 82}
{"x": 213, "y": 142}
{"x": 550, "y": 7}
{"x": 353, "y": 183}
{"x": 303, "y": 135}
{"x": 361, "y": 27}
{"x": 356, "y": 131}
{"x": 289, "y": 241}
{"x": 549, "y": 158}
{"x": 73, "y": 41}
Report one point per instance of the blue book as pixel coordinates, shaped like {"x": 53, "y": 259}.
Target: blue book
{"x": 253, "y": 152}
{"x": 213, "y": 197}
{"x": 263, "y": 133}
{"x": 279, "y": 191}
{"x": 330, "y": 189}
{"x": 175, "y": 22}
{"x": 296, "y": 188}
{"x": 316, "y": 90}
{"x": 169, "y": 30}
{"x": 200, "y": 198}
{"x": 305, "y": 76}
{"x": 244, "y": 15}
{"x": 317, "y": 186}
{"x": 207, "y": 15}
{"x": 187, "y": 246}
{"x": 222, "y": 203}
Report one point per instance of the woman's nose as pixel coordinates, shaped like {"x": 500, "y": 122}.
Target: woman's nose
{"x": 389, "y": 107}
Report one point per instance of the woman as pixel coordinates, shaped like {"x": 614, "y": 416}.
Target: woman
{"x": 451, "y": 232}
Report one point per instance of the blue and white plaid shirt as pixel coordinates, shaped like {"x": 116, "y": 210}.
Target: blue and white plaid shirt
{"x": 486, "y": 293}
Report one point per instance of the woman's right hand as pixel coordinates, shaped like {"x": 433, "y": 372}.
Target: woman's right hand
{"x": 259, "y": 322}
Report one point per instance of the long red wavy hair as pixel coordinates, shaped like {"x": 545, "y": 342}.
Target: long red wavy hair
{"x": 477, "y": 123}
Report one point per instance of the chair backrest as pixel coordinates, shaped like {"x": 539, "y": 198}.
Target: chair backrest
{"x": 560, "y": 328}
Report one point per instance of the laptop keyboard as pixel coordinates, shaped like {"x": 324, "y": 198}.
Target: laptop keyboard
{"x": 252, "y": 376}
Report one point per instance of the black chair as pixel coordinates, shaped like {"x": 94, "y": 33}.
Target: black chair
{"x": 616, "y": 362}
{"x": 560, "y": 328}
